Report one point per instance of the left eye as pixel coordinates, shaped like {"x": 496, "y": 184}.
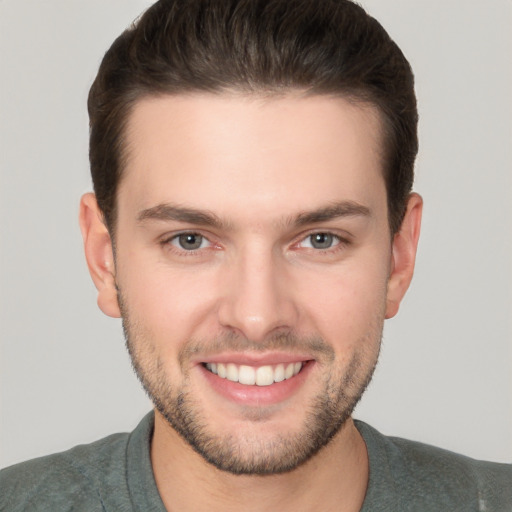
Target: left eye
{"x": 190, "y": 241}
{"x": 320, "y": 241}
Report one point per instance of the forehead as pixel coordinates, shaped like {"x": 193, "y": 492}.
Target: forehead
{"x": 268, "y": 153}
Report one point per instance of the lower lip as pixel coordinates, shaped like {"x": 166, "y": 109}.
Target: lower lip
{"x": 257, "y": 395}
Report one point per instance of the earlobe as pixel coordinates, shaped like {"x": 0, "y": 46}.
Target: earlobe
{"x": 99, "y": 254}
{"x": 405, "y": 244}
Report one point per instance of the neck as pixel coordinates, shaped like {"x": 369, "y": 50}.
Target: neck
{"x": 336, "y": 477}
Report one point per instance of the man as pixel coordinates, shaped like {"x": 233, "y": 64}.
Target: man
{"x": 253, "y": 224}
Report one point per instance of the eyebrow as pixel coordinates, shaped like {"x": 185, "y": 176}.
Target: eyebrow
{"x": 331, "y": 212}
{"x": 170, "y": 212}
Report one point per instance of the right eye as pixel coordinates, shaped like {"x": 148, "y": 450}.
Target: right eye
{"x": 189, "y": 241}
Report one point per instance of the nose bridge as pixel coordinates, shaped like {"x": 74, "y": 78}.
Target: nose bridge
{"x": 256, "y": 301}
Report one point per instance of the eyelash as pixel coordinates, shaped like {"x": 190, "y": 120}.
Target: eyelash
{"x": 341, "y": 243}
{"x": 334, "y": 239}
{"x": 167, "y": 242}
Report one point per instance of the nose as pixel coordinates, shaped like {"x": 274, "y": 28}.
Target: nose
{"x": 258, "y": 296}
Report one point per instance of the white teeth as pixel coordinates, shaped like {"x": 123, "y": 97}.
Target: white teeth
{"x": 249, "y": 375}
{"x": 212, "y": 367}
{"x": 221, "y": 370}
{"x": 279, "y": 373}
{"x": 232, "y": 372}
{"x": 264, "y": 376}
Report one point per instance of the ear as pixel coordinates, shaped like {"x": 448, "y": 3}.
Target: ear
{"x": 405, "y": 244}
{"x": 99, "y": 254}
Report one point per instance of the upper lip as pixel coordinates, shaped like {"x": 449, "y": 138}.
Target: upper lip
{"x": 254, "y": 359}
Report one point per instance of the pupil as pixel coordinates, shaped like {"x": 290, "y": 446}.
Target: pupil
{"x": 321, "y": 240}
{"x": 190, "y": 241}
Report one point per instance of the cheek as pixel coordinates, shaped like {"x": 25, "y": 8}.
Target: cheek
{"x": 168, "y": 303}
{"x": 348, "y": 304}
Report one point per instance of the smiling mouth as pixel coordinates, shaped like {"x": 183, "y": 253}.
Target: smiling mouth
{"x": 256, "y": 376}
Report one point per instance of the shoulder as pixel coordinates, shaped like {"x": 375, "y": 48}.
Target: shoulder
{"x": 429, "y": 476}
{"x": 444, "y": 473}
{"x": 70, "y": 480}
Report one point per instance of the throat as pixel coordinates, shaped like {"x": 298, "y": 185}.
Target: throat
{"x": 337, "y": 477}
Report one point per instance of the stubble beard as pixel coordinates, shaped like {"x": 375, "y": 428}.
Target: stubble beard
{"x": 324, "y": 417}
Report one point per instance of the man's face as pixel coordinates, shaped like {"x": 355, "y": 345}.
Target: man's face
{"x": 252, "y": 244}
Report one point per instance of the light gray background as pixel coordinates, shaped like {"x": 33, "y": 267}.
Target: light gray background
{"x": 445, "y": 372}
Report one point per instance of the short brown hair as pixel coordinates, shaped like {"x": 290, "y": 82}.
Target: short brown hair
{"x": 254, "y": 46}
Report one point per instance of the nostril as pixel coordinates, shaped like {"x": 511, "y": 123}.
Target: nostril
{"x": 256, "y": 304}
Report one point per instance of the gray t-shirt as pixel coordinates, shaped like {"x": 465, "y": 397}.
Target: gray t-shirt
{"x": 115, "y": 475}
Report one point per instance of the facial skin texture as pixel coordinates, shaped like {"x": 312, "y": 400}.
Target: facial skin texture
{"x": 253, "y": 180}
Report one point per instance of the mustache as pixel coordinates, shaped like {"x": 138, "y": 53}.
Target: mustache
{"x": 233, "y": 342}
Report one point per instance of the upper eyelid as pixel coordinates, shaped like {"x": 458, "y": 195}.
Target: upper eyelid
{"x": 338, "y": 240}
{"x": 166, "y": 241}
{"x": 341, "y": 236}
{"x": 167, "y": 237}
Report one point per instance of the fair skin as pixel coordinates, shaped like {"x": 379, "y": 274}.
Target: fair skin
{"x": 252, "y": 235}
